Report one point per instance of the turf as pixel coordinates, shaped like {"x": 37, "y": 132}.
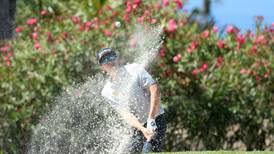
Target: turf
{"x": 221, "y": 152}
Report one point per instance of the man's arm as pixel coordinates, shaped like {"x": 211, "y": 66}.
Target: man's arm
{"x": 154, "y": 101}
{"x": 133, "y": 121}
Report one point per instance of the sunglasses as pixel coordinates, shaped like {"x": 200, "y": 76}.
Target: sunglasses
{"x": 107, "y": 59}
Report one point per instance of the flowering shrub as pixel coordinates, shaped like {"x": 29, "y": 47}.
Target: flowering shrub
{"x": 217, "y": 91}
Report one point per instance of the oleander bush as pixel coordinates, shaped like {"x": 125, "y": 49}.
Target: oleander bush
{"x": 217, "y": 88}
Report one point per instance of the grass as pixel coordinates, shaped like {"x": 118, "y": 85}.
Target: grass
{"x": 221, "y": 152}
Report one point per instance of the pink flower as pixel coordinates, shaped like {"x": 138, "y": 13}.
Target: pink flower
{"x": 34, "y": 36}
{"x": 193, "y": 45}
{"x": 272, "y": 24}
{"x": 266, "y": 75}
{"x": 5, "y": 48}
{"x": 37, "y": 46}
{"x": 140, "y": 19}
{"x": 129, "y": 8}
{"x": 31, "y": 21}
{"x": 260, "y": 40}
{"x": 162, "y": 52}
{"x": 65, "y": 34}
{"x": 219, "y": 61}
{"x": 107, "y": 33}
{"x": 244, "y": 71}
{"x": 195, "y": 72}
{"x": 205, "y": 34}
{"x": 230, "y": 29}
{"x": 88, "y": 25}
{"x": 215, "y": 29}
{"x": 179, "y": 3}
{"x": 43, "y": 12}
{"x": 240, "y": 39}
{"x": 126, "y": 17}
{"x": 165, "y": 3}
{"x": 75, "y": 20}
{"x": 8, "y": 63}
{"x": 18, "y": 29}
{"x": 177, "y": 58}
{"x": 172, "y": 26}
{"x": 254, "y": 49}
{"x": 153, "y": 21}
{"x": 258, "y": 78}
{"x": 221, "y": 44}
{"x": 203, "y": 67}
{"x": 137, "y": 2}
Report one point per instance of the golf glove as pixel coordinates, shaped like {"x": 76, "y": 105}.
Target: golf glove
{"x": 151, "y": 124}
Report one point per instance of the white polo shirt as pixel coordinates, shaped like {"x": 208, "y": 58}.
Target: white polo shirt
{"x": 130, "y": 90}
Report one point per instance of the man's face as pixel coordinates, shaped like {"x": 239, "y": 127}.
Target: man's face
{"x": 107, "y": 67}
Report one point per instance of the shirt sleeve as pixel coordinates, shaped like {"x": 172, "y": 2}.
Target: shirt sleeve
{"x": 145, "y": 79}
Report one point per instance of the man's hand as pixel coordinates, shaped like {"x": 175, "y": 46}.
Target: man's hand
{"x": 147, "y": 133}
{"x": 151, "y": 125}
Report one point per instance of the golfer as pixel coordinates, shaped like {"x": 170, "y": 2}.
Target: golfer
{"x": 134, "y": 94}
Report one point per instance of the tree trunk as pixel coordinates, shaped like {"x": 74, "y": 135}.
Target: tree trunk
{"x": 7, "y": 15}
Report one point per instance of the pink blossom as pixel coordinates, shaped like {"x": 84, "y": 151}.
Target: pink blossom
{"x": 129, "y": 8}
{"x": 88, "y": 25}
{"x": 215, "y": 29}
{"x": 153, "y": 21}
{"x": 31, "y": 21}
{"x": 219, "y": 61}
{"x": 6, "y": 58}
{"x": 157, "y": 6}
{"x": 172, "y": 26}
{"x": 179, "y": 3}
{"x": 177, "y": 58}
{"x": 240, "y": 39}
{"x": 65, "y": 34}
{"x": 34, "y": 36}
{"x": 137, "y": 2}
{"x": 221, "y": 44}
{"x": 258, "y": 78}
{"x": 195, "y": 72}
{"x": 205, "y": 34}
{"x": 43, "y": 12}
{"x": 126, "y": 17}
{"x": 193, "y": 45}
{"x": 230, "y": 29}
{"x": 254, "y": 49}
{"x": 162, "y": 52}
{"x": 244, "y": 71}
{"x": 140, "y": 19}
{"x": 203, "y": 67}
{"x": 165, "y": 3}
{"x": 266, "y": 75}
{"x": 5, "y": 48}
{"x": 272, "y": 24}
{"x": 260, "y": 40}
{"x": 75, "y": 20}
{"x": 37, "y": 46}
{"x": 8, "y": 63}
{"x": 107, "y": 33}
{"x": 18, "y": 29}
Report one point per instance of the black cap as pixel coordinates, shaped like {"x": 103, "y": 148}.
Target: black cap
{"x": 105, "y": 52}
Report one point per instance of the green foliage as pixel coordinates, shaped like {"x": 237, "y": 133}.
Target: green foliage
{"x": 215, "y": 95}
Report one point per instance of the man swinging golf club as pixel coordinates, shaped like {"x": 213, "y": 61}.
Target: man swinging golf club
{"x": 133, "y": 93}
